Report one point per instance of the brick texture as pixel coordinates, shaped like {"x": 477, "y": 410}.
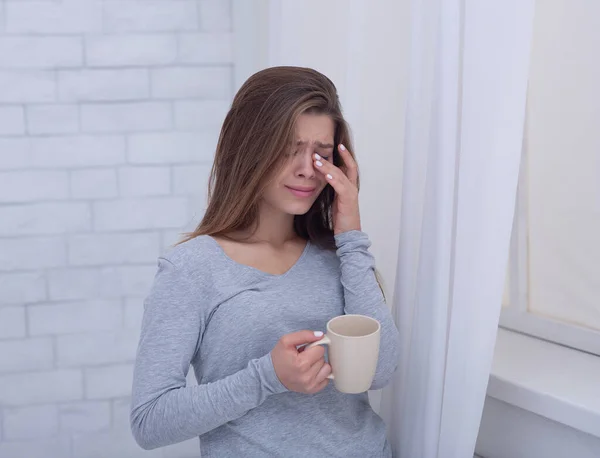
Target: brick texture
{"x": 52, "y": 119}
{"x": 12, "y": 120}
{"x": 84, "y": 416}
{"x": 17, "y": 422}
{"x": 109, "y": 116}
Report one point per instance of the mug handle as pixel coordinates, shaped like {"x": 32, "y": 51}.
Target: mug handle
{"x": 324, "y": 341}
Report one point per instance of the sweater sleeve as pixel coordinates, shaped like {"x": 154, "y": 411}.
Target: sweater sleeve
{"x": 164, "y": 410}
{"x": 363, "y": 296}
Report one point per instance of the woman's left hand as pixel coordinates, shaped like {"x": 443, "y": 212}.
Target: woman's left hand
{"x": 346, "y": 216}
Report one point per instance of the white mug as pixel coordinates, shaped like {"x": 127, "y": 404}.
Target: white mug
{"x": 353, "y": 351}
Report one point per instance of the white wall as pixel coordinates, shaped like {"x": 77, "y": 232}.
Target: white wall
{"x": 109, "y": 112}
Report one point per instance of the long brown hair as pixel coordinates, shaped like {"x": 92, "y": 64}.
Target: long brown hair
{"x": 256, "y": 133}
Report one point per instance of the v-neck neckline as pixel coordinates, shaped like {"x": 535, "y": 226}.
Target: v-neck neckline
{"x": 256, "y": 270}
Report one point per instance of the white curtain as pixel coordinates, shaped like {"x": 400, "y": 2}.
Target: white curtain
{"x": 468, "y": 70}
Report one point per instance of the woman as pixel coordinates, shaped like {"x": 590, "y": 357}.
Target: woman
{"x": 278, "y": 253}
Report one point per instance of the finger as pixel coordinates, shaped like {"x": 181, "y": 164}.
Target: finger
{"x": 334, "y": 176}
{"x": 312, "y": 355}
{"x": 301, "y": 337}
{"x": 316, "y": 369}
{"x": 350, "y": 164}
{"x": 321, "y": 386}
{"x": 324, "y": 371}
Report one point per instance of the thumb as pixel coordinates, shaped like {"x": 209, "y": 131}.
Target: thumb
{"x": 301, "y": 337}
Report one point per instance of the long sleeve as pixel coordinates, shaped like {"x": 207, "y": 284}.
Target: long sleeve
{"x": 363, "y": 296}
{"x": 164, "y": 410}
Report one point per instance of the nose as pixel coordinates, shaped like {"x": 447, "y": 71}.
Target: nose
{"x": 303, "y": 167}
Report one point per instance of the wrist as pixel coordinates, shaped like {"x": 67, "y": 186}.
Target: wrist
{"x": 270, "y": 377}
{"x": 348, "y": 224}
{"x": 351, "y": 241}
{"x": 344, "y": 230}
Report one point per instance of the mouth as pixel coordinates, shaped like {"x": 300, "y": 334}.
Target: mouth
{"x": 300, "y": 191}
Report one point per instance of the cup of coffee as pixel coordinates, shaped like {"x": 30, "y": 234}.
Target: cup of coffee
{"x": 353, "y": 342}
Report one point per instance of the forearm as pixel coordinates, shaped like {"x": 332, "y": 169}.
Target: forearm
{"x": 163, "y": 415}
{"x": 363, "y": 296}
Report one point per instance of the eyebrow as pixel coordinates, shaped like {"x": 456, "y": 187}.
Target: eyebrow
{"x": 318, "y": 143}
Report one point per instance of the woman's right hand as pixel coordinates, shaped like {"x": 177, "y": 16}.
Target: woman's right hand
{"x": 301, "y": 371}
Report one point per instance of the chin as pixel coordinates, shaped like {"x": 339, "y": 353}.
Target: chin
{"x": 298, "y": 209}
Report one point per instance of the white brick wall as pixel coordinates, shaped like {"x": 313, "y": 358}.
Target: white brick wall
{"x": 96, "y": 348}
{"x": 22, "y": 287}
{"x": 52, "y": 119}
{"x": 120, "y": 413}
{"x": 126, "y": 117}
{"x": 205, "y": 48}
{"x": 200, "y": 114}
{"x": 12, "y": 321}
{"x": 109, "y": 116}
{"x": 27, "y": 86}
{"x": 108, "y": 382}
{"x": 43, "y": 17}
{"x": 26, "y": 355}
{"x": 159, "y": 148}
{"x": 189, "y": 82}
{"x": 54, "y": 447}
{"x": 26, "y": 388}
{"x": 215, "y": 15}
{"x": 112, "y": 443}
{"x": 74, "y": 317}
{"x": 18, "y": 422}
{"x": 150, "y": 16}
{"x": 44, "y": 218}
{"x": 132, "y": 214}
{"x": 98, "y": 249}
{"x": 94, "y": 183}
{"x": 145, "y": 181}
{"x": 85, "y": 416}
{"x": 32, "y": 253}
{"x": 33, "y": 185}
{"x": 133, "y": 312}
{"x": 41, "y": 52}
{"x": 103, "y": 85}
{"x": 130, "y": 50}
{"x": 12, "y": 120}
{"x": 14, "y": 152}
{"x": 77, "y": 151}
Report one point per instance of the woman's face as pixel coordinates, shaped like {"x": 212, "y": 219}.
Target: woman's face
{"x": 298, "y": 185}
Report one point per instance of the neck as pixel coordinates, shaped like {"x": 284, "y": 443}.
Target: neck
{"x": 274, "y": 226}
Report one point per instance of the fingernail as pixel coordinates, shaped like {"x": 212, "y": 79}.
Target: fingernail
{"x": 329, "y": 177}
{"x": 317, "y": 156}
{"x": 319, "y": 164}
{"x": 318, "y": 334}
{"x": 342, "y": 147}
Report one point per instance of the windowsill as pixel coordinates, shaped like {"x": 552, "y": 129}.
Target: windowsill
{"x": 550, "y": 380}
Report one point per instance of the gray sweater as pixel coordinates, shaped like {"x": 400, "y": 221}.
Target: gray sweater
{"x": 223, "y": 318}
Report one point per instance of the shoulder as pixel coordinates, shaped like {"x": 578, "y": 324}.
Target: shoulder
{"x": 184, "y": 275}
{"x": 195, "y": 256}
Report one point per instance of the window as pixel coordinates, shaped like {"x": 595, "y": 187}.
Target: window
{"x": 553, "y": 287}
